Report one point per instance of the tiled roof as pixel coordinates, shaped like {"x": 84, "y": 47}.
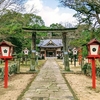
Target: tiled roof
{"x": 93, "y": 40}
{"x": 6, "y": 42}
{"x": 56, "y": 42}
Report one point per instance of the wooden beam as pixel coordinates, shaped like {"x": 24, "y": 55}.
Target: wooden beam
{"x": 49, "y": 30}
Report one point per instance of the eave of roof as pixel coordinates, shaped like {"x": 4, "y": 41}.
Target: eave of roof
{"x": 50, "y": 46}
{"x": 7, "y": 42}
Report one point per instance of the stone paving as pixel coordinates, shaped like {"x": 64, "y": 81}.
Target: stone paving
{"x": 49, "y": 84}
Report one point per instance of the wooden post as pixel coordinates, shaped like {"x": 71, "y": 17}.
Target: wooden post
{"x": 26, "y": 59}
{"x": 6, "y": 74}
{"x": 18, "y": 66}
{"x": 33, "y": 51}
{"x": 65, "y": 49}
{"x": 93, "y": 74}
{"x": 74, "y": 57}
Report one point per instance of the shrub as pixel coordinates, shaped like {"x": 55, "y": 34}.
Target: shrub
{"x": 87, "y": 68}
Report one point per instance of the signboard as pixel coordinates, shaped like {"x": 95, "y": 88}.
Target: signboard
{"x": 65, "y": 53}
{"x": 33, "y": 51}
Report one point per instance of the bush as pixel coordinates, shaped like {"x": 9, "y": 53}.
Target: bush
{"x": 87, "y": 69}
{"x": 98, "y": 71}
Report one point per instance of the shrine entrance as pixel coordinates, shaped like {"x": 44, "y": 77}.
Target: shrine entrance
{"x": 65, "y": 33}
{"x": 50, "y": 53}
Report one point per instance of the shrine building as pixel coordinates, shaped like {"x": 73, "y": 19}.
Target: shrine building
{"x": 50, "y": 47}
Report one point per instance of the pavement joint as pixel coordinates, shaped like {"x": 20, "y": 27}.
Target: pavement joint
{"x": 49, "y": 84}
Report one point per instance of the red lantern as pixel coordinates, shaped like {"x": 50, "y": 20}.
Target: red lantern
{"x": 93, "y": 53}
{"x": 26, "y": 51}
{"x": 6, "y": 49}
{"x": 93, "y": 49}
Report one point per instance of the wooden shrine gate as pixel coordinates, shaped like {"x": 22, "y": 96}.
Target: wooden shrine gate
{"x": 66, "y": 33}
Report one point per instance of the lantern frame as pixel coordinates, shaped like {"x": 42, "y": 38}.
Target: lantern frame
{"x": 6, "y": 50}
{"x": 26, "y": 51}
{"x": 93, "y": 49}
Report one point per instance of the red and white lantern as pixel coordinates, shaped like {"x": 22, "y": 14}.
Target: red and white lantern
{"x": 93, "y": 53}
{"x": 6, "y": 49}
{"x": 93, "y": 48}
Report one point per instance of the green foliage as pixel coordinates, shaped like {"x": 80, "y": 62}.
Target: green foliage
{"x": 88, "y": 71}
{"x": 56, "y": 26}
{"x": 1, "y": 73}
{"x": 12, "y": 70}
{"x": 86, "y": 68}
{"x": 85, "y": 51}
{"x": 11, "y": 28}
{"x": 98, "y": 71}
{"x": 87, "y": 10}
{"x": 20, "y": 55}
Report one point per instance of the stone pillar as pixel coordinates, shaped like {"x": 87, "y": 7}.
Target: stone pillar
{"x": 65, "y": 51}
{"x": 33, "y": 52}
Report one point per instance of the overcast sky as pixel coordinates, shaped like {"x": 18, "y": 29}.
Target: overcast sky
{"x": 50, "y": 12}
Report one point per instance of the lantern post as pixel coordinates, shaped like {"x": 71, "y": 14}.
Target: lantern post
{"x": 26, "y": 52}
{"x": 80, "y": 56}
{"x": 74, "y": 55}
{"x": 6, "y": 49}
{"x": 93, "y": 53}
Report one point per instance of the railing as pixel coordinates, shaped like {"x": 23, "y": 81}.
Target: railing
{"x": 12, "y": 69}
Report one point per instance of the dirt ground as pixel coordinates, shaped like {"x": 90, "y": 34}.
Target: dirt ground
{"x": 16, "y": 84}
{"x": 81, "y": 84}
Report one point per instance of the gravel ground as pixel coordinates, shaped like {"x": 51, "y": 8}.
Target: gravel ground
{"x": 81, "y": 84}
{"x": 16, "y": 85}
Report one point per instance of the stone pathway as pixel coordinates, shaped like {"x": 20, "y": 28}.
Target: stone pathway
{"x": 49, "y": 84}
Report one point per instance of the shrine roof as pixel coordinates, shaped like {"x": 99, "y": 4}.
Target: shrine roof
{"x": 54, "y": 43}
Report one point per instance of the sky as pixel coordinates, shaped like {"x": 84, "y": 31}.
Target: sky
{"x": 50, "y": 11}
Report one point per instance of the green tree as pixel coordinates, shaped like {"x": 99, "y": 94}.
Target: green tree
{"x": 56, "y": 26}
{"x": 87, "y": 10}
{"x": 11, "y": 28}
